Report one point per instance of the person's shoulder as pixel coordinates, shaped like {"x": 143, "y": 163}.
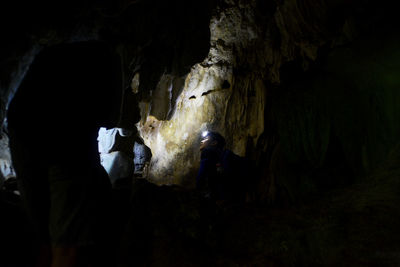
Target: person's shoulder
{"x": 234, "y": 159}
{"x": 230, "y": 154}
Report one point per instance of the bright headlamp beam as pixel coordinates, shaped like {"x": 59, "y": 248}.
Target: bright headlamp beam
{"x": 204, "y": 134}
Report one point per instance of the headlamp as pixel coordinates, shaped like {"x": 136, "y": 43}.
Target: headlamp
{"x": 204, "y": 134}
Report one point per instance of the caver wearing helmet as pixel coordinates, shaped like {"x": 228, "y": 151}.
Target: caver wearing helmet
{"x": 220, "y": 169}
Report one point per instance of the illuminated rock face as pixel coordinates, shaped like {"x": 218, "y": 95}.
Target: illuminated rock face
{"x": 231, "y": 89}
{"x": 249, "y": 43}
{"x": 202, "y": 105}
{"x": 211, "y": 98}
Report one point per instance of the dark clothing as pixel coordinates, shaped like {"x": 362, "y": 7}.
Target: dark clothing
{"x": 208, "y": 181}
{"x": 220, "y": 174}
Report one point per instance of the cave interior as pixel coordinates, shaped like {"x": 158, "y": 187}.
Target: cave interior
{"x": 306, "y": 91}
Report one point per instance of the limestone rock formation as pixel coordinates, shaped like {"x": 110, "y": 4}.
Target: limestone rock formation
{"x": 250, "y": 41}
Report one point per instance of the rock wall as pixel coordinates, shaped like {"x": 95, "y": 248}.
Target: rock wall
{"x": 250, "y": 41}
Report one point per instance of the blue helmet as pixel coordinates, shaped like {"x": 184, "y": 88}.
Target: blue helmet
{"x": 215, "y": 136}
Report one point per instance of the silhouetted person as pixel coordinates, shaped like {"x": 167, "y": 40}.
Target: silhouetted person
{"x": 221, "y": 173}
{"x": 54, "y": 119}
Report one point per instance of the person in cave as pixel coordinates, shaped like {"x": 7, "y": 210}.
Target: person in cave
{"x": 221, "y": 174}
{"x": 69, "y": 92}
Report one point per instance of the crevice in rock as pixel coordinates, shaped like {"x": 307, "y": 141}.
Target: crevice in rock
{"x": 225, "y": 85}
{"x": 208, "y": 92}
